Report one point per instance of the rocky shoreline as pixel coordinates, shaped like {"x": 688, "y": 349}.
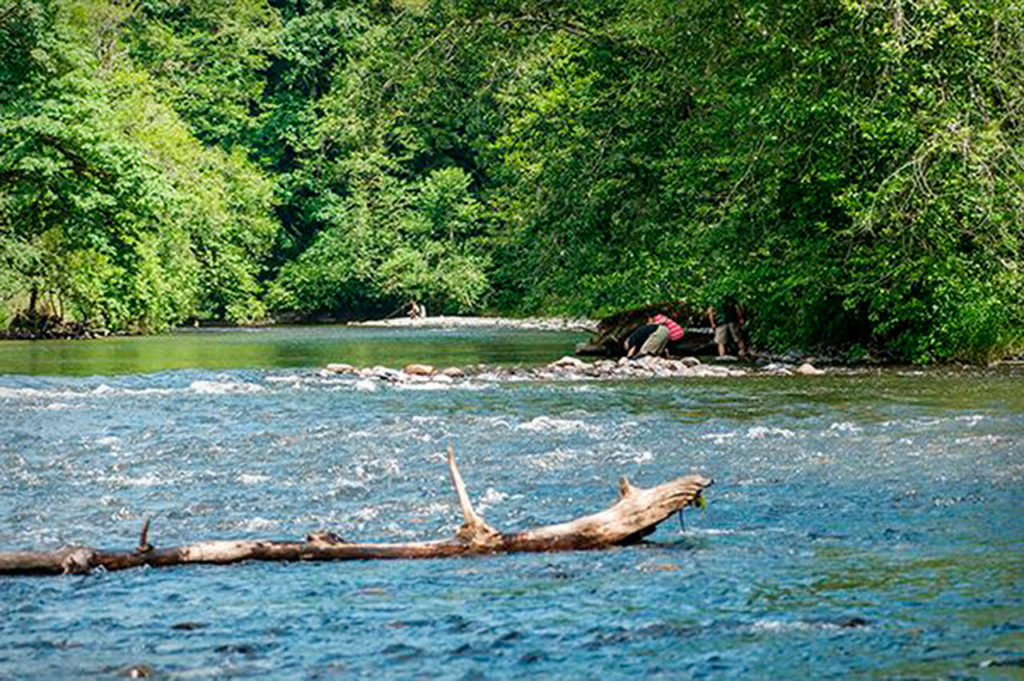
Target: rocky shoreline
{"x": 571, "y": 369}
{"x": 455, "y": 322}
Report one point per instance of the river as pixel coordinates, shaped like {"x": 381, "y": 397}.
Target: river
{"x": 866, "y": 525}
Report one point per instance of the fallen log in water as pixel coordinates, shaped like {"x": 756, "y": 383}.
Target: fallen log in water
{"x": 635, "y": 515}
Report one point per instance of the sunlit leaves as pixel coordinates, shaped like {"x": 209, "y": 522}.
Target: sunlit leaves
{"x": 113, "y": 213}
{"x": 852, "y": 169}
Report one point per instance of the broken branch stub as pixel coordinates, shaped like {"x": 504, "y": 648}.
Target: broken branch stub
{"x": 635, "y": 515}
{"x": 474, "y": 531}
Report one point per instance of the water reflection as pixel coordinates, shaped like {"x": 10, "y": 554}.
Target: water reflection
{"x": 299, "y": 346}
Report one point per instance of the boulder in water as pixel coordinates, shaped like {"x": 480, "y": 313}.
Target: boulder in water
{"x": 420, "y": 370}
{"x": 808, "y": 369}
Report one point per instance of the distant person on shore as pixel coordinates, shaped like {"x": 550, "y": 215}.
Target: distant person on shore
{"x": 727, "y": 323}
{"x": 653, "y": 337}
{"x": 416, "y": 310}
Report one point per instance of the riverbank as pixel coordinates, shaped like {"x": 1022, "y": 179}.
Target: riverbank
{"x": 459, "y": 322}
{"x": 601, "y": 346}
{"x": 41, "y": 326}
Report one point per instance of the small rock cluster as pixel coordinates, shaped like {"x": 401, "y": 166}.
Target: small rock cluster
{"x": 778, "y": 369}
{"x": 411, "y": 372}
{"x": 570, "y": 368}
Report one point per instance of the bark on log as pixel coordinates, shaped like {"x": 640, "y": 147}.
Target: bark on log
{"x": 635, "y": 515}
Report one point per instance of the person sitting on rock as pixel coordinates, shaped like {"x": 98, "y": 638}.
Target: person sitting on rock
{"x": 666, "y": 331}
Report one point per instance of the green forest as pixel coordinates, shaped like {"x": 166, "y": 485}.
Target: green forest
{"x": 852, "y": 170}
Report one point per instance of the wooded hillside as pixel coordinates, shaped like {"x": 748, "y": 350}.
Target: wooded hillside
{"x": 852, "y": 169}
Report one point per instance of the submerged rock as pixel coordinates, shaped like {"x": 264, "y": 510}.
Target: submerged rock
{"x": 1005, "y": 662}
{"x": 777, "y": 369}
{"x": 853, "y": 622}
{"x": 383, "y": 373}
{"x": 569, "y": 362}
{"x": 188, "y": 626}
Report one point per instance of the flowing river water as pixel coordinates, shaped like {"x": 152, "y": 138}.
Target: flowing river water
{"x": 866, "y": 525}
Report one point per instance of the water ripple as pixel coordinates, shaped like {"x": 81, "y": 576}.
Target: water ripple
{"x": 858, "y": 526}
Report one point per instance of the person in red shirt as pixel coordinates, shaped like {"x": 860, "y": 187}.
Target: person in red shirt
{"x": 668, "y": 330}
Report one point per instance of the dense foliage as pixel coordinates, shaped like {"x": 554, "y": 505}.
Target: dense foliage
{"x": 852, "y": 169}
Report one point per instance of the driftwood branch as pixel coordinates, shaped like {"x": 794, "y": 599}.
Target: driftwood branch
{"x": 635, "y": 515}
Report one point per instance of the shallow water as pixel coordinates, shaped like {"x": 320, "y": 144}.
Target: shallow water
{"x": 283, "y": 346}
{"x": 859, "y": 526}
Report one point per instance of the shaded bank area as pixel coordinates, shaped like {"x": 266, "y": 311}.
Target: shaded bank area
{"x": 34, "y": 325}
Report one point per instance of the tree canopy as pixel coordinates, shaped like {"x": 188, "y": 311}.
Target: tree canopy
{"x": 851, "y": 170}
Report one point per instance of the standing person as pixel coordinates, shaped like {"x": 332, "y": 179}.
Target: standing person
{"x": 666, "y": 332}
{"x": 727, "y": 323}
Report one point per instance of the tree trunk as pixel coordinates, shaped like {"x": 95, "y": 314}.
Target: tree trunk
{"x": 635, "y": 515}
